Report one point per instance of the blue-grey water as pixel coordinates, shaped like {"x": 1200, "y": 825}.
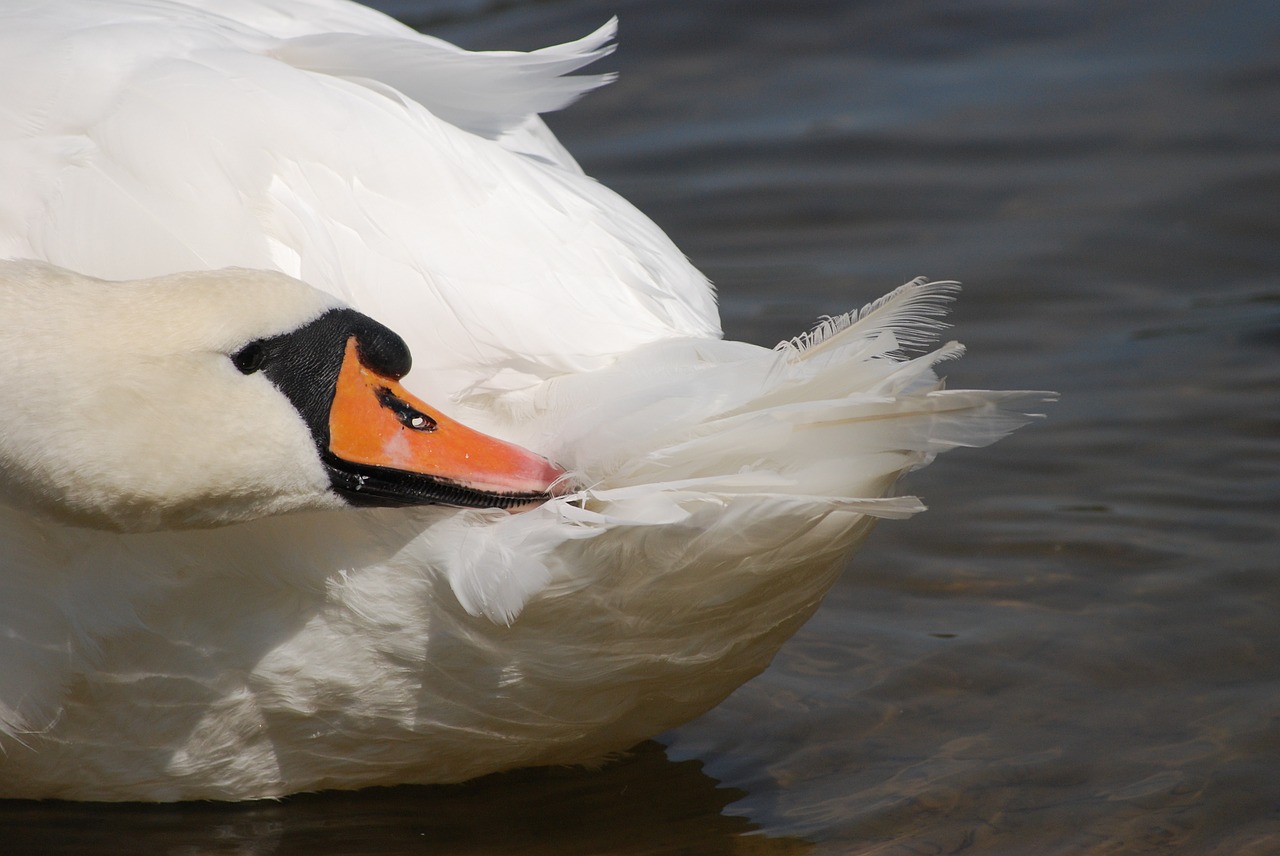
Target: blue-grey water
{"x": 1077, "y": 649}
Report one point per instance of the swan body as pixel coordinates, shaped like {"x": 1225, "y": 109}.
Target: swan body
{"x": 196, "y": 641}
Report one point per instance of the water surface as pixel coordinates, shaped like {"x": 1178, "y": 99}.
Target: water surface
{"x": 1077, "y": 649}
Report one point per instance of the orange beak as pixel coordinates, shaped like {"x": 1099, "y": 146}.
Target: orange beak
{"x": 375, "y": 422}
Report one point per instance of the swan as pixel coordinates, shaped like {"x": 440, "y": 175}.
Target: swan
{"x": 350, "y": 435}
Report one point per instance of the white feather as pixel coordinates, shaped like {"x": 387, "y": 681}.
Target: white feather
{"x": 911, "y": 313}
{"x": 488, "y": 94}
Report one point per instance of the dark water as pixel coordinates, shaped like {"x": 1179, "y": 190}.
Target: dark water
{"x": 1077, "y": 649}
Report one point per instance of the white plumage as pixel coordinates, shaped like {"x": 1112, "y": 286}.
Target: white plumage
{"x": 722, "y": 484}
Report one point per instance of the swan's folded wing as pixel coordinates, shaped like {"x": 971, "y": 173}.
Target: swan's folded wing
{"x": 137, "y": 148}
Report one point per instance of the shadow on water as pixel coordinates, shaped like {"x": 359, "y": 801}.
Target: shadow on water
{"x": 644, "y": 803}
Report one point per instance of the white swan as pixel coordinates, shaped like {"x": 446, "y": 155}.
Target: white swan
{"x": 166, "y": 632}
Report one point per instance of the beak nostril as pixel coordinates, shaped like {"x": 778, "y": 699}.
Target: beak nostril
{"x": 407, "y": 415}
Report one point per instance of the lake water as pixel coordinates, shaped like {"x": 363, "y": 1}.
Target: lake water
{"x": 1077, "y": 649}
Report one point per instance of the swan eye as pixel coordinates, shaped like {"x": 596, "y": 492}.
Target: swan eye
{"x": 249, "y": 358}
{"x": 408, "y": 415}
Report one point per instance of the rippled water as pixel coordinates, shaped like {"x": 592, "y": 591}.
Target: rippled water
{"x": 1077, "y": 649}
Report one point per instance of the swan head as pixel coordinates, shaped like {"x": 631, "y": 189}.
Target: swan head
{"x": 201, "y": 399}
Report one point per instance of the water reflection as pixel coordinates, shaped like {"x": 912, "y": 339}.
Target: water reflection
{"x": 644, "y": 803}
